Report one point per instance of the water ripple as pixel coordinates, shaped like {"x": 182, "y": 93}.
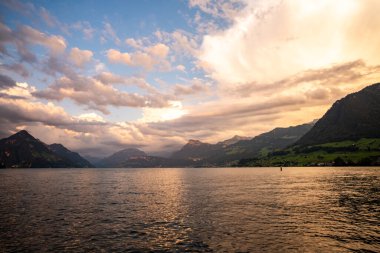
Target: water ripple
{"x": 190, "y": 210}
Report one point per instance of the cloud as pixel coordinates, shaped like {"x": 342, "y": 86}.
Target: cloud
{"x": 213, "y": 15}
{"x": 25, "y": 36}
{"x": 143, "y": 59}
{"x": 180, "y": 67}
{"x": 18, "y": 91}
{"x": 259, "y": 65}
{"x": 150, "y": 57}
{"x": 9, "y": 89}
{"x": 173, "y": 111}
{"x": 280, "y": 63}
{"x": 109, "y": 33}
{"x": 225, "y": 9}
{"x": 110, "y": 78}
{"x": 159, "y": 50}
{"x": 52, "y": 124}
{"x": 291, "y": 101}
{"x": 80, "y": 57}
{"x": 93, "y": 92}
{"x": 91, "y": 117}
{"x": 24, "y": 8}
{"x": 56, "y": 44}
{"x": 183, "y": 43}
{"x": 115, "y": 56}
{"x": 16, "y": 68}
{"x": 88, "y": 133}
{"x": 21, "y": 111}
{"x": 35, "y": 14}
{"x": 273, "y": 40}
{"x": 97, "y": 95}
{"x": 334, "y": 77}
{"x": 6, "y": 37}
{"x": 134, "y": 43}
{"x": 6, "y": 81}
{"x": 196, "y": 86}
{"x": 86, "y": 28}
{"x": 222, "y": 116}
{"x": 48, "y": 18}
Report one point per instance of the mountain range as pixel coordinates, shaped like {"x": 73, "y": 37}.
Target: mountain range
{"x": 348, "y": 134}
{"x": 353, "y": 117}
{"x": 22, "y": 150}
{"x": 228, "y": 153}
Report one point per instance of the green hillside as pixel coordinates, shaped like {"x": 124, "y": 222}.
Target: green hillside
{"x": 364, "y": 152}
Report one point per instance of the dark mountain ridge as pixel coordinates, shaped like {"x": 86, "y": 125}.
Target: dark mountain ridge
{"x": 234, "y": 140}
{"x": 353, "y": 117}
{"x": 117, "y": 159}
{"x": 135, "y": 158}
{"x": 73, "y": 157}
{"x": 196, "y": 150}
{"x": 347, "y": 135}
{"x": 227, "y": 152}
{"x": 22, "y": 150}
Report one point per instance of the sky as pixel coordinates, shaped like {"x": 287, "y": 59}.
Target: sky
{"x": 101, "y": 76}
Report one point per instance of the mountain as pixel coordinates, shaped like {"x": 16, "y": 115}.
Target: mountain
{"x": 347, "y": 135}
{"x": 233, "y": 140}
{"x": 353, "y": 117}
{"x": 362, "y": 152}
{"x": 93, "y": 159}
{"x": 262, "y": 144}
{"x": 152, "y": 161}
{"x": 73, "y": 157}
{"x": 228, "y": 152}
{"x": 22, "y": 150}
{"x": 135, "y": 158}
{"x": 277, "y": 138}
{"x": 196, "y": 150}
{"x": 117, "y": 159}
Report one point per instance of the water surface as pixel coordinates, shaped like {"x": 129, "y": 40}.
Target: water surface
{"x": 196, "y": 210}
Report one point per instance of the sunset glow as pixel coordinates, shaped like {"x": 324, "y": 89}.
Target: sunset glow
{"x": 154, "y": 74}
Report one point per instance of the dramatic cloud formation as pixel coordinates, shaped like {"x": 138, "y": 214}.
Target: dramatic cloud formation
{"x": 283, "y": 38}
{"x": 96, "y": 95}
{"x": 102, "y": 81}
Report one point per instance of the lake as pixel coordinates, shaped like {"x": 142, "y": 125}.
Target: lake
{"x": 190, "y": 209}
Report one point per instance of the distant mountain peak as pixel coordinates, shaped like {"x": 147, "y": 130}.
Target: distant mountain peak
{"x": 233, "y": 140}
{"x": 57, "y": 145}
{"x": 130, "y": 152}
{"x": 22, "y": 150}
{"x": 238, "y": 137}
{"x": 194, "y": 142}
{"x": 120, "y": 157}
{"x": 22, "y": 134}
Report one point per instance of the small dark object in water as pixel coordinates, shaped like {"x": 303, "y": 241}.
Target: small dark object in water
{"x": 280, "y": 168}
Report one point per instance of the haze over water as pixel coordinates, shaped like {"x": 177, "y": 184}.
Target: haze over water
{"x": 216, "y": 209}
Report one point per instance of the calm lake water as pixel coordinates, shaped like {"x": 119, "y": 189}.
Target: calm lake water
{"x": 195, "y": 210}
